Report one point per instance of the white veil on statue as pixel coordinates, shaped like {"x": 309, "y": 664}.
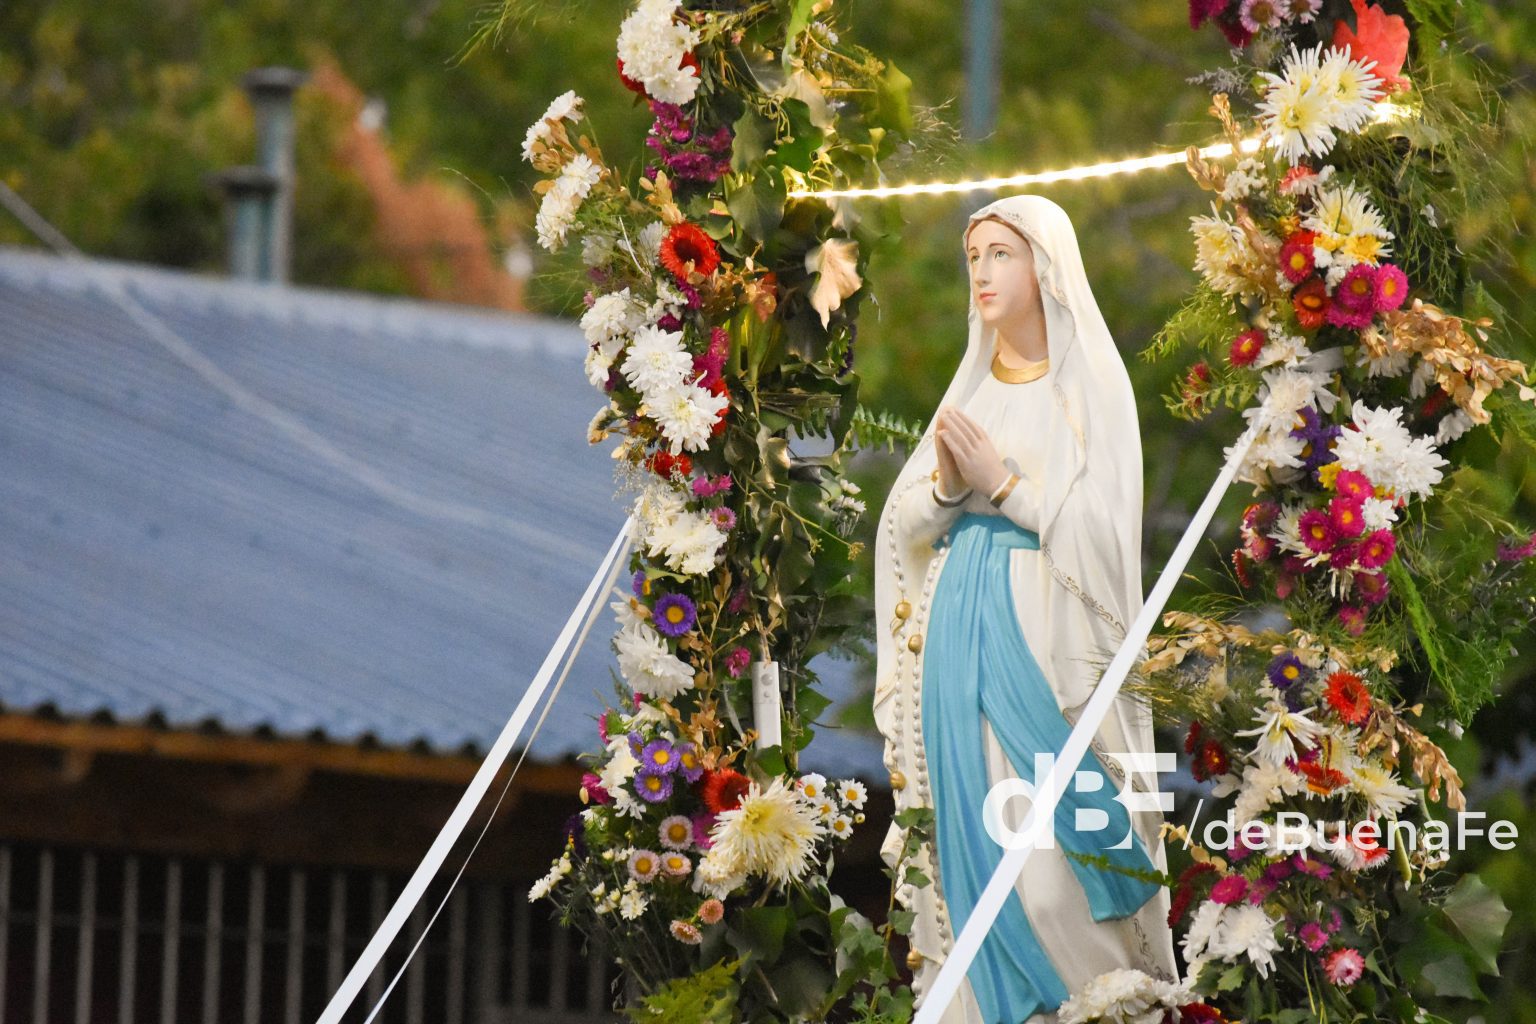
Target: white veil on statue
{"x": 1091, "y": 495}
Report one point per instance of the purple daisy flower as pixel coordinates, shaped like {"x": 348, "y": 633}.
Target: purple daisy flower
{"x": 636, "y": 743}
{"x": 1286, "y": 670}
{"x": 688, "y": 764}
{"x": 673, "y": 615}
{"x": 653, "y": 787}
{"x": 659, "y": 758}
{"x": 637, "y": 584}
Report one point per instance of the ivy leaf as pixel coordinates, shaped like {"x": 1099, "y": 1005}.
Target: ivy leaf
{"x": 1479, "y": 915}
{"x": 753, "y": 134}
{"x": 893, "y": 100}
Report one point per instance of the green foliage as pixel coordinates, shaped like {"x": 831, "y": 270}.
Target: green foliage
{"x": 707, "y": 996}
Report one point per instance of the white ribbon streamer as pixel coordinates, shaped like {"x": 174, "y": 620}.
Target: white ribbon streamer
{"x": 500, "y": 750}
{"x": 1050, "y": 789}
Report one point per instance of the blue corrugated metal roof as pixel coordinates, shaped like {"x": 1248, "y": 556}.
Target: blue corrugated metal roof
{"x": 168, "y": 553}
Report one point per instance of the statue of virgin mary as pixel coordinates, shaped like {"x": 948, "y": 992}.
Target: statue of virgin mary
{"x": 1007, "y": 569}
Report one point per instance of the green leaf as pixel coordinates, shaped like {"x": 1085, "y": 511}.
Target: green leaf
{"x": 753, "y": 134}
{"x": 1479, "y": 915}
{"x": 760, "y": 931}
{"x": 758, "y": 204}
{"x": 893, "y": 103}
{"x": 799, "y": 17}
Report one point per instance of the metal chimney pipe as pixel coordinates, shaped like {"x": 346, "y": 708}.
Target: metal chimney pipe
{"x": 271, "y": 93}
{"x": 249, "y": 192}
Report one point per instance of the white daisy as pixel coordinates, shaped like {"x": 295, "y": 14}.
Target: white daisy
{"x": 852, "y": 792}
{"x": 1280, "y": 731}
{"x": 1221, "y": 253}
{"x": 813, "y": 785}
{"x": 1296, "y": 112}
{"x": 1341, "y": 214}
{"x": 1355, "y": 88}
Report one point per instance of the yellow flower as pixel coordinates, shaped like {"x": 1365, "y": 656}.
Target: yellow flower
{"x": 1327, "y": 473}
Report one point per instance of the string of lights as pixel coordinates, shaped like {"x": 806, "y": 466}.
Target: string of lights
{"x": 1384, "y": 112}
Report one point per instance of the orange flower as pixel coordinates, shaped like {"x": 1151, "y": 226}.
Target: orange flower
{"x": 1348, "y": 697}
{"x": 687, "y": 243}
{"x": 1378, "y": 36}
{"x": 724, "y": 789}
{"x": 1311, "y": 304}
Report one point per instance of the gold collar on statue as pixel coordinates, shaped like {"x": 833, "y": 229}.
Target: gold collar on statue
{"x": 1021, "y": 374}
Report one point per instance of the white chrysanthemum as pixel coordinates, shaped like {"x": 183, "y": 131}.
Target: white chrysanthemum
{"x": 1393, "y": 364}
{"x": 620, "y": 766}
{"x": 1221, "y": 252}
{"x": 690, "y": 543}
{"x": 1121, "y": 996}
{"x": 596, "y": 248}
{"x": 771, "y": 833}
{"x": 597, "y": 366}
{"x": 659, "y": 503}
{"x": 1263, "y": 785}
{"x": 1423, "y": 376}
{"x": 1378, "y": 513}
{"x": 652, "y": 44}
{"x": 1244, "y": 180}
{"x": 1279, "y": 732}
{"x": 1383, "y": 449}
{"x": 1383, "y": 794}
{"x": 610, "y": 320}
{"x": 686, "y": 414}
{"x": 717, "y": 876}
{"x": 566, "y": 106}
{"x": 648, "y": 666}
{"x": 656, "y": 362}
{"x": 1284, "y": 349}
{"x": 1453, "y": 426}
{"x": 624, "y": 610}
{"x": 1355, "y": 88}
{"x": 646, "y": 247}
{"x": 1342, "y": 217}
{"x": 1204, "y": 924}
{"x": 1271, "y": 451}
{"x": 1287, "y": 531}
{"x": 558, "y": 211}
{"x": 1247, "y": 931}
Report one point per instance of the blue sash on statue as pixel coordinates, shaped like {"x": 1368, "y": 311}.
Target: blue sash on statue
{"x": 976, "y": 662}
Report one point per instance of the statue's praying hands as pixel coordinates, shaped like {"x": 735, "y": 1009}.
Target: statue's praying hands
{"x": 967, "y": 457}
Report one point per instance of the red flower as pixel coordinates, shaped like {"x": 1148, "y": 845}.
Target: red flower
{"x": 1311, "y": 304}
{"x": 1348, "y": 697}
{"x": 687, "y": 243}
{"x": 1246, "y": 346}
{"x": 1240, "y": 567}
{"x": 1321, "y": 780}
{"x": 1200, "y": 1013}
{"x": 1193, "y": 739}
{"x": 664, "y": 463}
{"x": 1296, "y": 257}
{"x": 629, "y": 83}
{"x": 719, "y": 388}
{"x": 1211, "y": 761}
{"x": 1378, "y": 36}
{"x": 723, "y": 789}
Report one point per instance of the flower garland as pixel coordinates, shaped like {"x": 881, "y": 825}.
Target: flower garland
{"x": 1363, "y": 388}
{"x": 720, "y": 318}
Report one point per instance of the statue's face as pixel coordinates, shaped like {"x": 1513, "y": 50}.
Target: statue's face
{"x": 1003, "y": 281}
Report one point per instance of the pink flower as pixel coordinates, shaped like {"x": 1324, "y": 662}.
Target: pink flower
{"x": 686, "y": 932}
{"x": 1344, "y": 514}
{"x": 1259, "y": 547}
{"x": 1353, "y": 484}
{"x": 1354, "y": 301}
{"x": 1343, "y": 556}
{"x": 1312, "y": 936}
{"x": 1343, "y": 967}
{"x": 711, "y": 910}
{"x": 1229, "y": 890}
{"x": 1246, "y": 346}
{"x": 1285, "y": 585}
{"x": 594, "y": 788}
{"x": 723, "y": 518}
{"x": 1391, "y": 287}
{"x": 702, "y": 823}
{"x": 1372, "y": 587}
{"x": 1377, "y": 549}
{"x": 1353, "y": 618}
{"x": 737, "y": 661}
{"x": 1317, "y": 530}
